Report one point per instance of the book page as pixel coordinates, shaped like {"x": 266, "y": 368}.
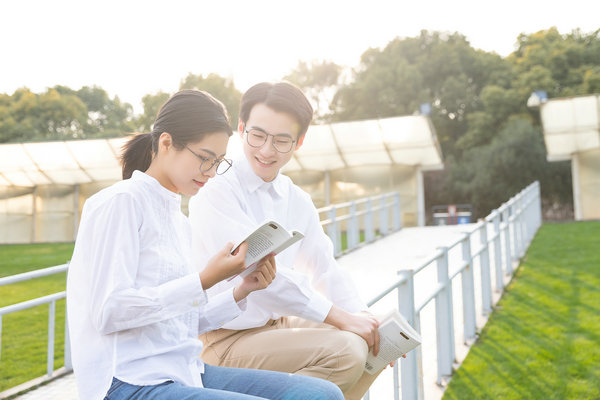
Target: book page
{"x": 387, "y": 351}
{"x": 396, "y": 337}
{"x": 270, "y": 237}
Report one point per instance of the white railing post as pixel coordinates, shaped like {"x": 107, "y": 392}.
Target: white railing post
{"x": 0, "y": 337}
{"x": 516, "y": 229}
{"x": 369, "y": 232}
{"x": 484, "y": 261}
{"x": 468, "y": 292}
{"x": 443, "y": 318}
{"x": 506, "y": 232}
{"x": 383, "y": 216}
{"x": 67, "y": 355}
{"x": 497, "y": 251}
{"x": 51, "y": 316}
{"x": 332, "y": 231}
{"x": 397, "y": 212}
{"x": 353, "y": 235}
{"x": 410, "y": 372}
{"x": 520, "y": 231}
{"x": 538, "y": 192}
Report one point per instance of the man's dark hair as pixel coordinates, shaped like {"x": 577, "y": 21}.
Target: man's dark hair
{"x": 281, "y": 97}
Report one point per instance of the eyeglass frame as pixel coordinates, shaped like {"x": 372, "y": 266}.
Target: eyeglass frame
{"x": 246, "y": 131}
{"x": 217, "y": 162}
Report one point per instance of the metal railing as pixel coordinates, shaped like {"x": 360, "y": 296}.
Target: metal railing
{"x": 512, "y": 226}
{"x": 372, "y": 216}
{"x": 51, "y": 300}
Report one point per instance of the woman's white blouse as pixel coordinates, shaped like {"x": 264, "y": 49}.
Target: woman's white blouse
{"x": 135, "y": 303}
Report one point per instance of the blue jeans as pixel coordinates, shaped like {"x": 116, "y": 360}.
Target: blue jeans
{"x": 222, "y": 383}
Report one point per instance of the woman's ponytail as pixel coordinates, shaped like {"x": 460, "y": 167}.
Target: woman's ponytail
{"x": 137, "y": 154}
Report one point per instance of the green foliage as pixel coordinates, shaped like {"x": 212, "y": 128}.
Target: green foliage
{"x": 25, "y": 333}
{"x": 542, "y": 340}
{"x": 515, "y": 157}
{"x": 318, "y": 80}
{"x": 477, "y": 97}
{"x": 152, "y": 104}
{"x": 221, "y": 88}
{"x": 61, "y": 113}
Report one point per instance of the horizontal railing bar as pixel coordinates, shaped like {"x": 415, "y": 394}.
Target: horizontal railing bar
{"x": 479, "y": 250}
{"x": 460, "y": 269}
{"x": 387, "y": 291}
{"x": 438, "y": 288}
{"x": 7, "y": 280}
{"x": 439, "y": 253}
{"x": 32, "y": 303}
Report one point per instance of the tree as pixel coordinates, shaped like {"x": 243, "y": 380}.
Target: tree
{"x": 62, "y": 113}
{"x": 513, "y": 159}
{"x": 221, "y": 88}
{"x": 318, "y": 80}
{"x": 491, "y": 141}
{"x": 441, "y": 69}
{"x": 48, "y": 116}
{"x": 152, "y": 104}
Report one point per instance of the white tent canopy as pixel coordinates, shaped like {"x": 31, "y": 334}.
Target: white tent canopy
{"x": 571, "y": 125}
{"x": 69, "y": 162}
{"x": 409, "y": 140}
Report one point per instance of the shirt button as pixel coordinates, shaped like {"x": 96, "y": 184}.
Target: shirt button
{"x": 196, "y": 303}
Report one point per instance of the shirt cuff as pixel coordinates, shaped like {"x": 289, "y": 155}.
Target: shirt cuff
{"x": 185, "y": 291}
{"x": 222, "y": 308}
{"x": 317, "y": 309}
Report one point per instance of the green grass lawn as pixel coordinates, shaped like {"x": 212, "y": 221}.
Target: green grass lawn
{"x": 543, "y": 339}
{"x": 25, "y": 333}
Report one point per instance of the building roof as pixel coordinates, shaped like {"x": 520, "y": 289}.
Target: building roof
{"x": 409, "y": 140}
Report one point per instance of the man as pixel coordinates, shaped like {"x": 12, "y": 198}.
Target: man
{"x": 310, "y": 320}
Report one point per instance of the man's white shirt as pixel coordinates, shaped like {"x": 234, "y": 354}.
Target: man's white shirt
{"x": 308, "y": 281}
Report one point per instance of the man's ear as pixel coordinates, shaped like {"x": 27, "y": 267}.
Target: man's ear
{"x": 241, "y": 127}
{"x": 300, "y": 141}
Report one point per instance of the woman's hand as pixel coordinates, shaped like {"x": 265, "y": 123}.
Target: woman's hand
{"x": 259, "y": 279}
{"x": 224, "y": 265}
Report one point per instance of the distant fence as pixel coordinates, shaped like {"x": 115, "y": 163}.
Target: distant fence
{"x": 357, "y": 222}
{"x": 512, "y": 227}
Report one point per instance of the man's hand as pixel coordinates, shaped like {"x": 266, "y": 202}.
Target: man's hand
{"x": 258, "y": 279}
{"x": 363, "y": 324}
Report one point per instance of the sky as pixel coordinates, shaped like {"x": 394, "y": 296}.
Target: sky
{"x": 131, "y": 48}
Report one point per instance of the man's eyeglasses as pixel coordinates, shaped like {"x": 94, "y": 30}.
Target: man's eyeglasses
{"x": 207, "y": 164}
{"x": 255, "y": 137}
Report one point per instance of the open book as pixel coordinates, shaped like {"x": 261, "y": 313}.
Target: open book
{"x": 396, "y": 337}
{"x": 270, "y": 237}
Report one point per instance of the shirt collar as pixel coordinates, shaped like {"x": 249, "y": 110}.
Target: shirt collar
{"x": 160, "y": 189}
{"x": 253, "y": 182}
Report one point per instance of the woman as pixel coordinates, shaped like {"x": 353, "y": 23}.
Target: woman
{"x": 135, "y": 303}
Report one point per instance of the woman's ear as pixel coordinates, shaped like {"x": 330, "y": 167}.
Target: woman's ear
{"x": 165, "y": 141}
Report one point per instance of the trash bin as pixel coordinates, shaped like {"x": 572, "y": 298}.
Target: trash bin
{"x": 452, "y": 214}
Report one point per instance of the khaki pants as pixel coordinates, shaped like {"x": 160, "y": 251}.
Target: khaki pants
{"x": 294, "y": 345}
